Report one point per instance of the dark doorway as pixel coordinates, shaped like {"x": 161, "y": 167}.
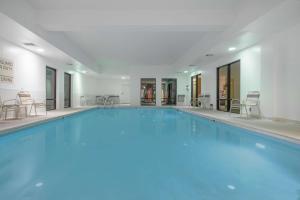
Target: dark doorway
{"x": 50, "y": 88}
{"x": 196, "y": 89}
{"x": 67, "y": 90}
{"x": 168, "y": 91}
{"x": 228, "y": 85}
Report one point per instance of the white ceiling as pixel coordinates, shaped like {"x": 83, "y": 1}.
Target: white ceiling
{"x": 134, "y": 4}
{"x": 145, "y": 33}
{"x": 136, "y": 47}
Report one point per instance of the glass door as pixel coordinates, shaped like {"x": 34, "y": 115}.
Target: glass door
{"x": 148, "y": 92}
{"x": 223, "y": 97}
{"x": 168, "y": 91}
{"x": 235, "y": 83}
{"x": 196, "y": 89}
{"x": 67, "y": 90}
{"x": 50, "y": 88}
{"x": 228, "y": 85}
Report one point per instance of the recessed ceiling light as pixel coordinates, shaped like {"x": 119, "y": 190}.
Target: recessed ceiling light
{"x": 40, "y": 50}
{"x": 123, "y": 77}
{"x": 83, "y": 71}
{"x": 186, "y": 72}
{"x": 231, "y": 49}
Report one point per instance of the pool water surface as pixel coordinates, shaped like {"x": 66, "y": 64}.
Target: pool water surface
{"x": 145, "y": 154}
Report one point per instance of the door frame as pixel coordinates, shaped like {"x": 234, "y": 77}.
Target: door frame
{"x": 55, "y": 85}
{"x": 70, "y": 86}
{"x": 228, "y": 84}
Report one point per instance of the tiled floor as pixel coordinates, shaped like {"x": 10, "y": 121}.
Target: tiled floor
{"x": 283, "y": 129}
{"x": 289, "y": 130}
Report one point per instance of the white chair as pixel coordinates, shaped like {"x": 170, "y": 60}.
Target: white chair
{"x": 251, "y": 102}
{"x": 180, "y": 99}
{"x": 10, "y": 105}
{"x": 26, "y": 99}
{"x": 100, "y": 100}
{"x": 112, "y": 100}
{"x": 194, "y": 102}
{"x": 204, "y": 101}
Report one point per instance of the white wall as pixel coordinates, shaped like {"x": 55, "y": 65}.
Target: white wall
{"x": 30, "y": 73}
{"x": 128, "y": 89}
{"x": 84, "y": 85}
{"x": 272, "y": 67}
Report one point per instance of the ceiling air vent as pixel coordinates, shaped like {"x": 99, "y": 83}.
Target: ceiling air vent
{"x": 29, "y": 44}
{"x": 209, "y": 55}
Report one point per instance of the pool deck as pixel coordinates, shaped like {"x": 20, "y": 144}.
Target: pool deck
{"x": 282, "y": 129}
{"x": 10, "y": 125}
{"x": 287, "y": 130}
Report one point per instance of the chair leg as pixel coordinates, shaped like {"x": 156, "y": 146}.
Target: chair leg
{"x": 17, "y": 113}
{"x": 30, "y": 109}
{"x": 5, "y": 117}
{"x": 259, "y": 111}
{"x": 246, "y": 112}
{"x": 35, "y": 110}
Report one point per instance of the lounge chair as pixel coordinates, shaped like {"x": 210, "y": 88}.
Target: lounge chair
{"x": 251, "y": 102}
{"x": 26, "y": 99}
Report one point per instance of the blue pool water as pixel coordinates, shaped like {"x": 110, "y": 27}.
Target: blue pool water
{"x": 145, "y": 154}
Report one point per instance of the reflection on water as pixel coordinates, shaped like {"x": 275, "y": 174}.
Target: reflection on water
{"x": 145, "y": 154}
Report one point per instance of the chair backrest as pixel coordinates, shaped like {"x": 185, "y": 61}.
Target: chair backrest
{"x": 253, "y": 97}
{"x": 181, "y": 98}
{"x": 25, "y": 98}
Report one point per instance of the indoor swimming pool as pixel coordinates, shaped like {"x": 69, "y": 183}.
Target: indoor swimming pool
{"x": 145, "y": 154}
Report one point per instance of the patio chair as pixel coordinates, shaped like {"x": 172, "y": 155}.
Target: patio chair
{"x": 194, "y": 102}
{"x": 26, "y": 99}
{"x": 251, "y": 102}
{"x": 100, "y": 100}
{"x": 10, "y": 105}
{"x": 180, "y": 99}
{"x": 204, "y": 101}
